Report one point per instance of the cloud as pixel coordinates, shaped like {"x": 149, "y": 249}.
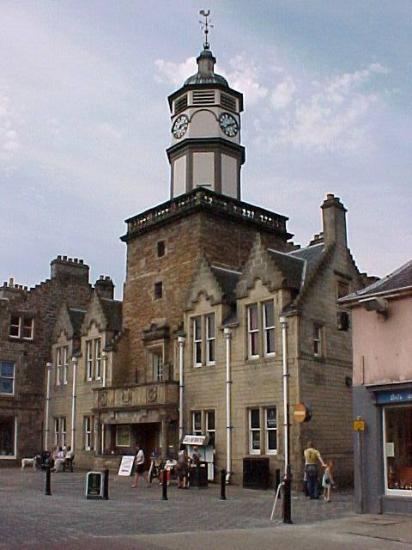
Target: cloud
{"x": 175, "y": 73}
{"x": 9, "y": 137}
{"x": 328, "y": 114}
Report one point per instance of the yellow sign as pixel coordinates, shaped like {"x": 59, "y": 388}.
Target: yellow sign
{"x": 300, "y": 413}
{"x": 359, "y": 425}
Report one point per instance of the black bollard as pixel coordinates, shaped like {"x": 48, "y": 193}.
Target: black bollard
{"x": 164, "y": 485}
{"x": 223, "y": 485}
{"x": 47, "y": 489}
{"x": 287, "y": 497}
{"x": 106, "y": 485}
{"x": 198, "y": 474}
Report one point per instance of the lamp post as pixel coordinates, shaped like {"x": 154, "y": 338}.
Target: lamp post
{"x": 286, "y": 428}
{"x": 181, "y": 343}
{"x": 74, "y": 396}
{"x": 228, "y": 334}
{"x": 46, "y": 412}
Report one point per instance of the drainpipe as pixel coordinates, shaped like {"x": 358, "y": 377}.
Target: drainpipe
{"x": 181, "y": 343}
{"x": 287, "y": 478}
{"x": 46, "y": 413}
{"x": 228, "y": 335}
{"x": 104, "y": 358}
{"x": 73, "y": 439}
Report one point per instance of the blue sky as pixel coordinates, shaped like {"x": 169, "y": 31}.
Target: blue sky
{"x": 84, "y": 120}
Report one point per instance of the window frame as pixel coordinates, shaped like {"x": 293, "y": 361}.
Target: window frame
{"x": 269, "y": 430}
{"x": 208, "y": 429}
{"x": 197, "y": 342}
{"x": 194, "y": 430}
{"x": 267, "y": 328}
{"x": 210, "y": 341}
{"x": 97, "y": 351}
{"x": 89, "y": 360}
{"x": 123, "y": 445}
{"x": 18, "y": 325}
{"x": 251, "y": 431}
{"x": 252, "y": 332}
{"x": 12, "y": 378}
{"x": 14, "y": 435}
{"x": 65, "y": 364}
{"x": 23, "y": 321}
{"x": 158, "y": 290}
{"x": 88, "y": 433}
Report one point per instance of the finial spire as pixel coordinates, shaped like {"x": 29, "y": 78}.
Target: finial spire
{"x": 205, "y": 27}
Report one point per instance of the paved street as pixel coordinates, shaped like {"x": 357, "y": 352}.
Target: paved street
{"x": 138, "y": 518}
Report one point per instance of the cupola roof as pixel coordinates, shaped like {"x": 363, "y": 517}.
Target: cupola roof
{"x": 206, "y": 74}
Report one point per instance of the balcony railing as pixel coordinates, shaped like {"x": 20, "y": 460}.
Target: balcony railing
{"x": 142, "y": 395}
{"x": 204, "y": 198}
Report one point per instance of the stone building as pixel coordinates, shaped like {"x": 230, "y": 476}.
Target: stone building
{"x": 216, "y": 301}
{"x": 27, "y": 317}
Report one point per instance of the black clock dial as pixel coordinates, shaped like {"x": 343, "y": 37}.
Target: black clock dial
{"x": 229, "y": 124}
{"x": 180, "y": 126}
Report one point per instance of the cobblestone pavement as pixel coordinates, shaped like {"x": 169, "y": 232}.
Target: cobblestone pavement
{"x": 29, "y": 518}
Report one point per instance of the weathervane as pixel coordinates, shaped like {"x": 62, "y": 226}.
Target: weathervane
{"x": 205, "y": 26}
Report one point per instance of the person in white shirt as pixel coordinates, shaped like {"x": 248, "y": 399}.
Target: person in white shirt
{"x": 139, "y": 465}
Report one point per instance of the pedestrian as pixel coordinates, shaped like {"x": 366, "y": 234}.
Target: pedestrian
{"x": 312, "y": 457}
{"x": 139, "y": 465}
{"x": 327, "y": 480}
{"x": 182, "y": 468}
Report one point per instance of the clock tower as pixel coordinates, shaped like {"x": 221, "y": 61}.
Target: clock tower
{"x": 205, "y": 148}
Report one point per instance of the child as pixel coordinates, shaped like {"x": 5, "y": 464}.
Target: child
{"x": 327, "y": 480}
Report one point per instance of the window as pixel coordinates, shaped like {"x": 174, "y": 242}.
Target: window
{"x": 196, "y": 422}
{"x": 7, "y": 378}
{"x": 88, "y": 433}
{"x": 271, "y": 428}
{"x": 158, "y": 290}
{"x": 268, "y": 328}
{"x": 317, "y": 340}
{"x": 65, "y": 363}
{"x": 21, "y": 327}
{"x": 60, "y": 431}
{"x": 156, "y": 357}
{"x": 253, "y": 331}
{"x": 123, "y": 436}
{"x": 397, "y": 423}
{"x": 14, "y": 330}
{"x": 197, "y": 341}
{"x": 254, "y": 431}
{"x": 7, "y": 436}
{"x": 210, "y": 427}
{"x": 28, "y": 328}
{"x": 161, "y": 249}
{"x": 89, "y": 359}
{"x": 98, "y": 358}
{"x": 210, "y": 338}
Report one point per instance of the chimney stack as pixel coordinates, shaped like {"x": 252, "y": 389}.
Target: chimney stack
{"x": 104, "y": 287}
{"x": 334, "y": 221}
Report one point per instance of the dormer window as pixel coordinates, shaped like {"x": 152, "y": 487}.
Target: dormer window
{"x": 204, "y": 340}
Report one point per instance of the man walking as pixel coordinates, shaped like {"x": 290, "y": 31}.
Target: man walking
{"x": 312, "y": 457}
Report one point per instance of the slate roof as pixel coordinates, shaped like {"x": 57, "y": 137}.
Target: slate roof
{"x": 227, "y": 279}
{"x": 113, "y": 312}
{"x": 398, "y": 280}
{"x": 311, "y": 255}
{"x": 76, "y": 319}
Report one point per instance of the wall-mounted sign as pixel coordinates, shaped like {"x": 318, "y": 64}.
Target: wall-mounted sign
{"x": 300, "y": 413}
{"x": 388, "y": 397}
{"x": 359, "y": 425}
{"x": 195, "y": 440}
{"x": 126, "y": 465}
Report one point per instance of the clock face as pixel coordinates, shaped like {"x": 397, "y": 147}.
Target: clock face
{"x": 180, "y": 126}
{"x": 228, "y": 124}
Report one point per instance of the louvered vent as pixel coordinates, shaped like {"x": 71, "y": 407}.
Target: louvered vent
{"x": 204, "y": 97}
{"x": 180, "y": 104}
{"x": 228, "y": 102}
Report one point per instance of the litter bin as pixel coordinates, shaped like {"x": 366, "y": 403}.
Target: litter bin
{"x": 198, "y": 475}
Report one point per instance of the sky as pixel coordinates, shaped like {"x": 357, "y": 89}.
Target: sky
{"x": 84, "y": 120}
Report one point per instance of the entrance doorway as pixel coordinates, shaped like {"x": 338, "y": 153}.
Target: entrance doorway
{"x": 148, "y": 437}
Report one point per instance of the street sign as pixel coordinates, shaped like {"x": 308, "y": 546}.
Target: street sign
{"x": 126, "y": 465}
{"x": 359, "y": 425}
{"x": 300, "y": 413}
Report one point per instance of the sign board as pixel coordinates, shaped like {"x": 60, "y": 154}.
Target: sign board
{"x": 195, "y": 440}
{"x": 390, "y": 450}
{"x": 94, "y": 485}
{"x": 387, "y": 397}
{"x": 126, "y": 465}
{"x": 300, "y": 413}
{"x": 359, "y": 425}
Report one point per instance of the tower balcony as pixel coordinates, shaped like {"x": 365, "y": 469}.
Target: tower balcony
{"x": 202, "y": 199}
